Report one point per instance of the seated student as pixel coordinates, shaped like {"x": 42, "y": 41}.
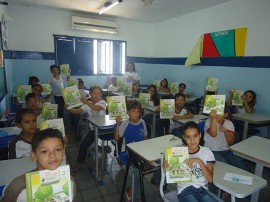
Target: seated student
{"x": 33, "y": 80}
{"x": 181, "y": 89}
{"x": 84, "y": 93}
{"x": 136, "y": 89}
{"x": 133, "y": 130}
{"x": 181, "y": 112}
{"x": 113, "y": 87}
{"x": 218, "y": 136}
{"x": 33, "y": 102}
{"x": 20, "y": 146}
{"x": 164, "y": 86}
{"x": 201, "y": 161}
{"x": 48, "y": 152}
{"x": 95, "y": 107}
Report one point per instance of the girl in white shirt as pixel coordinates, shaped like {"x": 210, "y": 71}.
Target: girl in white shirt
{"x": 131, "y": 75}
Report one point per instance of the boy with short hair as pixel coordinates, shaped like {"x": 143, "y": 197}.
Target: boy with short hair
{"x": 57, "y": 83}
{"x": 113, "y": 87}
{"x": 20, "y": 146}
{"x": 48, "y": 152}
{"x": 218, "y": 136}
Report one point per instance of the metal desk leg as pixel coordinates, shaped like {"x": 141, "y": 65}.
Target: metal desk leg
{"x": 153, "y": 134}
{"x": 141, "y": 182}
{"x": 125, "y": 181}
{"x": 258, "y": 172}
{"x": 96, "y": 151}
{"x": 245, "y": 130}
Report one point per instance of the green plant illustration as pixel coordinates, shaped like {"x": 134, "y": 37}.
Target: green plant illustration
{"x": 43, "y": 192}
{"x": 65, "y": 188}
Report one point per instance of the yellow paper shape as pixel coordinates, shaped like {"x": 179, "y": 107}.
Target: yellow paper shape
{"x": 240, "y": 41}
{"x": 195, "y": 55}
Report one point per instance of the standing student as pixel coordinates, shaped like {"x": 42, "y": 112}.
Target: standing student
{"x": 57, "y": 83}
{"x": 164, "y": 86}
{"x": 218, "y": 136}
{"x": 133, "y": 130}
{"x": 20, "y": 146}
{"x": 95, "y": 107}
{"x": 48, "y": 152}
{"x": 131, "y": 75}
{"x": 201, "y": 161}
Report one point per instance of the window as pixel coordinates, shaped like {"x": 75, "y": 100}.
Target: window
{"x": 88, "y": 56}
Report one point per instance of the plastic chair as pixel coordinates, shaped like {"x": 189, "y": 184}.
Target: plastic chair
{"x": 4, "y": 142}
{"x": 172, "y": 196}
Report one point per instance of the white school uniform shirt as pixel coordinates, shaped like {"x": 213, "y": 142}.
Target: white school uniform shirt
{"x": 131, "y": 77}
{"x": 113, "y": 88}
{"x": 198, "y": 179}
{"x": 57, "y": 85}
{"x": 218, "y": 143}
{"x": 90, "y": 112}
{"x": 173, "y": 125}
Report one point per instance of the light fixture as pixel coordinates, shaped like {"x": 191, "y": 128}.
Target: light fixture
{"x": 108, "y": 5}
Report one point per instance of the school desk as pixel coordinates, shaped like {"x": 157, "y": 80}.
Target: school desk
{"x": 196, "y": 119}
{"x": 236, "y": 190}
{"x": 152, "y": 110}
{"x": 144, "y": 154}
{"x": 255, "y": 149}
{"x": 100, "y": 123}
{"x": 254, "y": 118}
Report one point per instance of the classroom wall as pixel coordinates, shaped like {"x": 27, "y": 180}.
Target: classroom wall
{"x": 31, "y": 30}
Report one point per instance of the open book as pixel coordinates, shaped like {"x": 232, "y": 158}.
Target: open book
{"x": 65, "y": 69}
{"x": 178, "y": 160}
{"x": 49, "y": 185}
{"x": 144, "y": 99}
{"x": 211, "y": 84}
{"x": 167, "y": 108}
{"x": 53, "y": 123}
{"x": 49, "y": 111}
{"x": 214, "y": 102}
{"x": 236, "y": 98}
{"x": 22, "y": 91}
{"x": 72, "y": 96}
{"x": 117, "y": 107}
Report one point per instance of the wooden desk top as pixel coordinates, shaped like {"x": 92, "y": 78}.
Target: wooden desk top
{"x": 255, "y": 149}
{"x": 151, "y": 149}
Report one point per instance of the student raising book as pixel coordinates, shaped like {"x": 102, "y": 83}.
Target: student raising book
{"x": 48, "y": 152}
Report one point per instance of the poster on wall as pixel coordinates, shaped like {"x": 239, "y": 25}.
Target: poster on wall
{"x": 227, "y": 43}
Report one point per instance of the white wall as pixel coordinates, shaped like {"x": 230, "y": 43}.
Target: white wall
{"x": 177, "y": 37}
{"x": 32, "y": 29}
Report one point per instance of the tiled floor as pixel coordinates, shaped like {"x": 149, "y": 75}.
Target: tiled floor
{"x": 88, "y": 189}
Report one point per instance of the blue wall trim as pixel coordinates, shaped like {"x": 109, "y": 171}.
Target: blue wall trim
{"x": 29, "y": 55}
{"x": 255, "y": 61}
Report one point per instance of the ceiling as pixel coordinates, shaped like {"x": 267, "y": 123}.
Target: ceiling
{"x": 138, "y": 10}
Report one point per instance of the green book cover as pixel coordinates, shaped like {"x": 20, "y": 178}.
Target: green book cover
{"x": 157, "y": 84}
{"x": 237, "y": 98}
{"x": 117, "y": 107}
{"x": 214, "y": 102}
{"x": 127, "y": 89}
{"x": 211, "y": 84}
{"x": 65, "y": 69}
{"x": 144, "y": 99}
{"x": 49, "y": 111}
{"x": 174, "y": 87}
{"x": 49, "y": 185}
{"x": 167, "y": 108}
{"x": 46, "y": 89}
{"x": 53, "y": 123}
{"x": 73, "y": 82}
{"x": 72, "y": 96}
{"x": 120, "y": 83}
{"x": 22, "y": 91}
{"x": 178, "y": 160}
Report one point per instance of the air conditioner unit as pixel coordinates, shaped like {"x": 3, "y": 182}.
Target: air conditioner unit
{"x": 93, "y": 25}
